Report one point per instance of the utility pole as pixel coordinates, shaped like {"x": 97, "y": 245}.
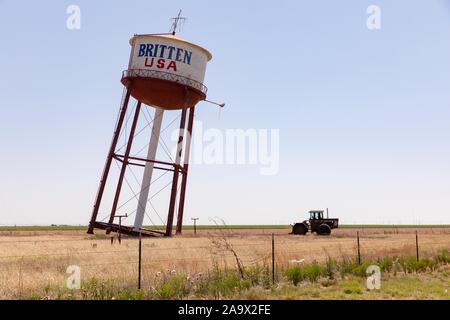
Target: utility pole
{"x": 195, "y": 224}
{"x": 120, "y": 225}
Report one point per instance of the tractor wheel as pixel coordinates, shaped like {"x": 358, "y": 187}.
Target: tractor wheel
{"x": 324, "y": 230}
{"x": 300, "y": 228}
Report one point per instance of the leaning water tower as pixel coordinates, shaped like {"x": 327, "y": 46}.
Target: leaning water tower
{"x": 165, "y": 73}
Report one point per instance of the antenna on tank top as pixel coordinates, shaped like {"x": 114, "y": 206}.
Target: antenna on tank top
{"x": 177, "y": 23}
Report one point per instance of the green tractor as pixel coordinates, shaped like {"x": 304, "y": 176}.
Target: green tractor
{"x": 316, "y": 223}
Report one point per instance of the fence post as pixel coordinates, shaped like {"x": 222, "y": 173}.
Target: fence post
{"x": 359, "y": 250}
{"x": 417, "y": 245}
{"x": 273, "y": 258}
{"x": 20, "y": 278}
{"x": 140, "y": 262}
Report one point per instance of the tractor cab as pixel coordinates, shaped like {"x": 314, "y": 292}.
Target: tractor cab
{"x": 316, "y": 214}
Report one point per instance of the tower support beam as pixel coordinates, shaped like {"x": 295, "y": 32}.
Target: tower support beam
{"x": 185, "y": 171}
{"x": 149, "y": 167}
{"x": 173, "y": 194}
{"x": 125, "y": 162}
{"x": 106, "y": 169}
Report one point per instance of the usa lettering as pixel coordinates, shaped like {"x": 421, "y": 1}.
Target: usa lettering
{"x": 160, "y": 64}
{"x": 161, "y": 56}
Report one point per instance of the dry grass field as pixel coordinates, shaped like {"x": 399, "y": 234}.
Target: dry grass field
{"x": 36, "y": 261}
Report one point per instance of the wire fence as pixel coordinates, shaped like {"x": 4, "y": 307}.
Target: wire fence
{"x": 31, "y": 264}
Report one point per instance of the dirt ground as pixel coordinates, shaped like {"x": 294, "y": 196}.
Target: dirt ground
{"x": 32, "y": 260}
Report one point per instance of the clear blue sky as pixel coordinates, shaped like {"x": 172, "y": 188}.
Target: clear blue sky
{"x": 363, "y": 115}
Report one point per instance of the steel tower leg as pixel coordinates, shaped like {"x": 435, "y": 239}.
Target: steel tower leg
{"x": 173, "y": 194}
{"x": 101, "y": 189}
{"x": 185, "y": 171}
{"x": 124, "y": 164}
{"x": 148, "y": 171}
